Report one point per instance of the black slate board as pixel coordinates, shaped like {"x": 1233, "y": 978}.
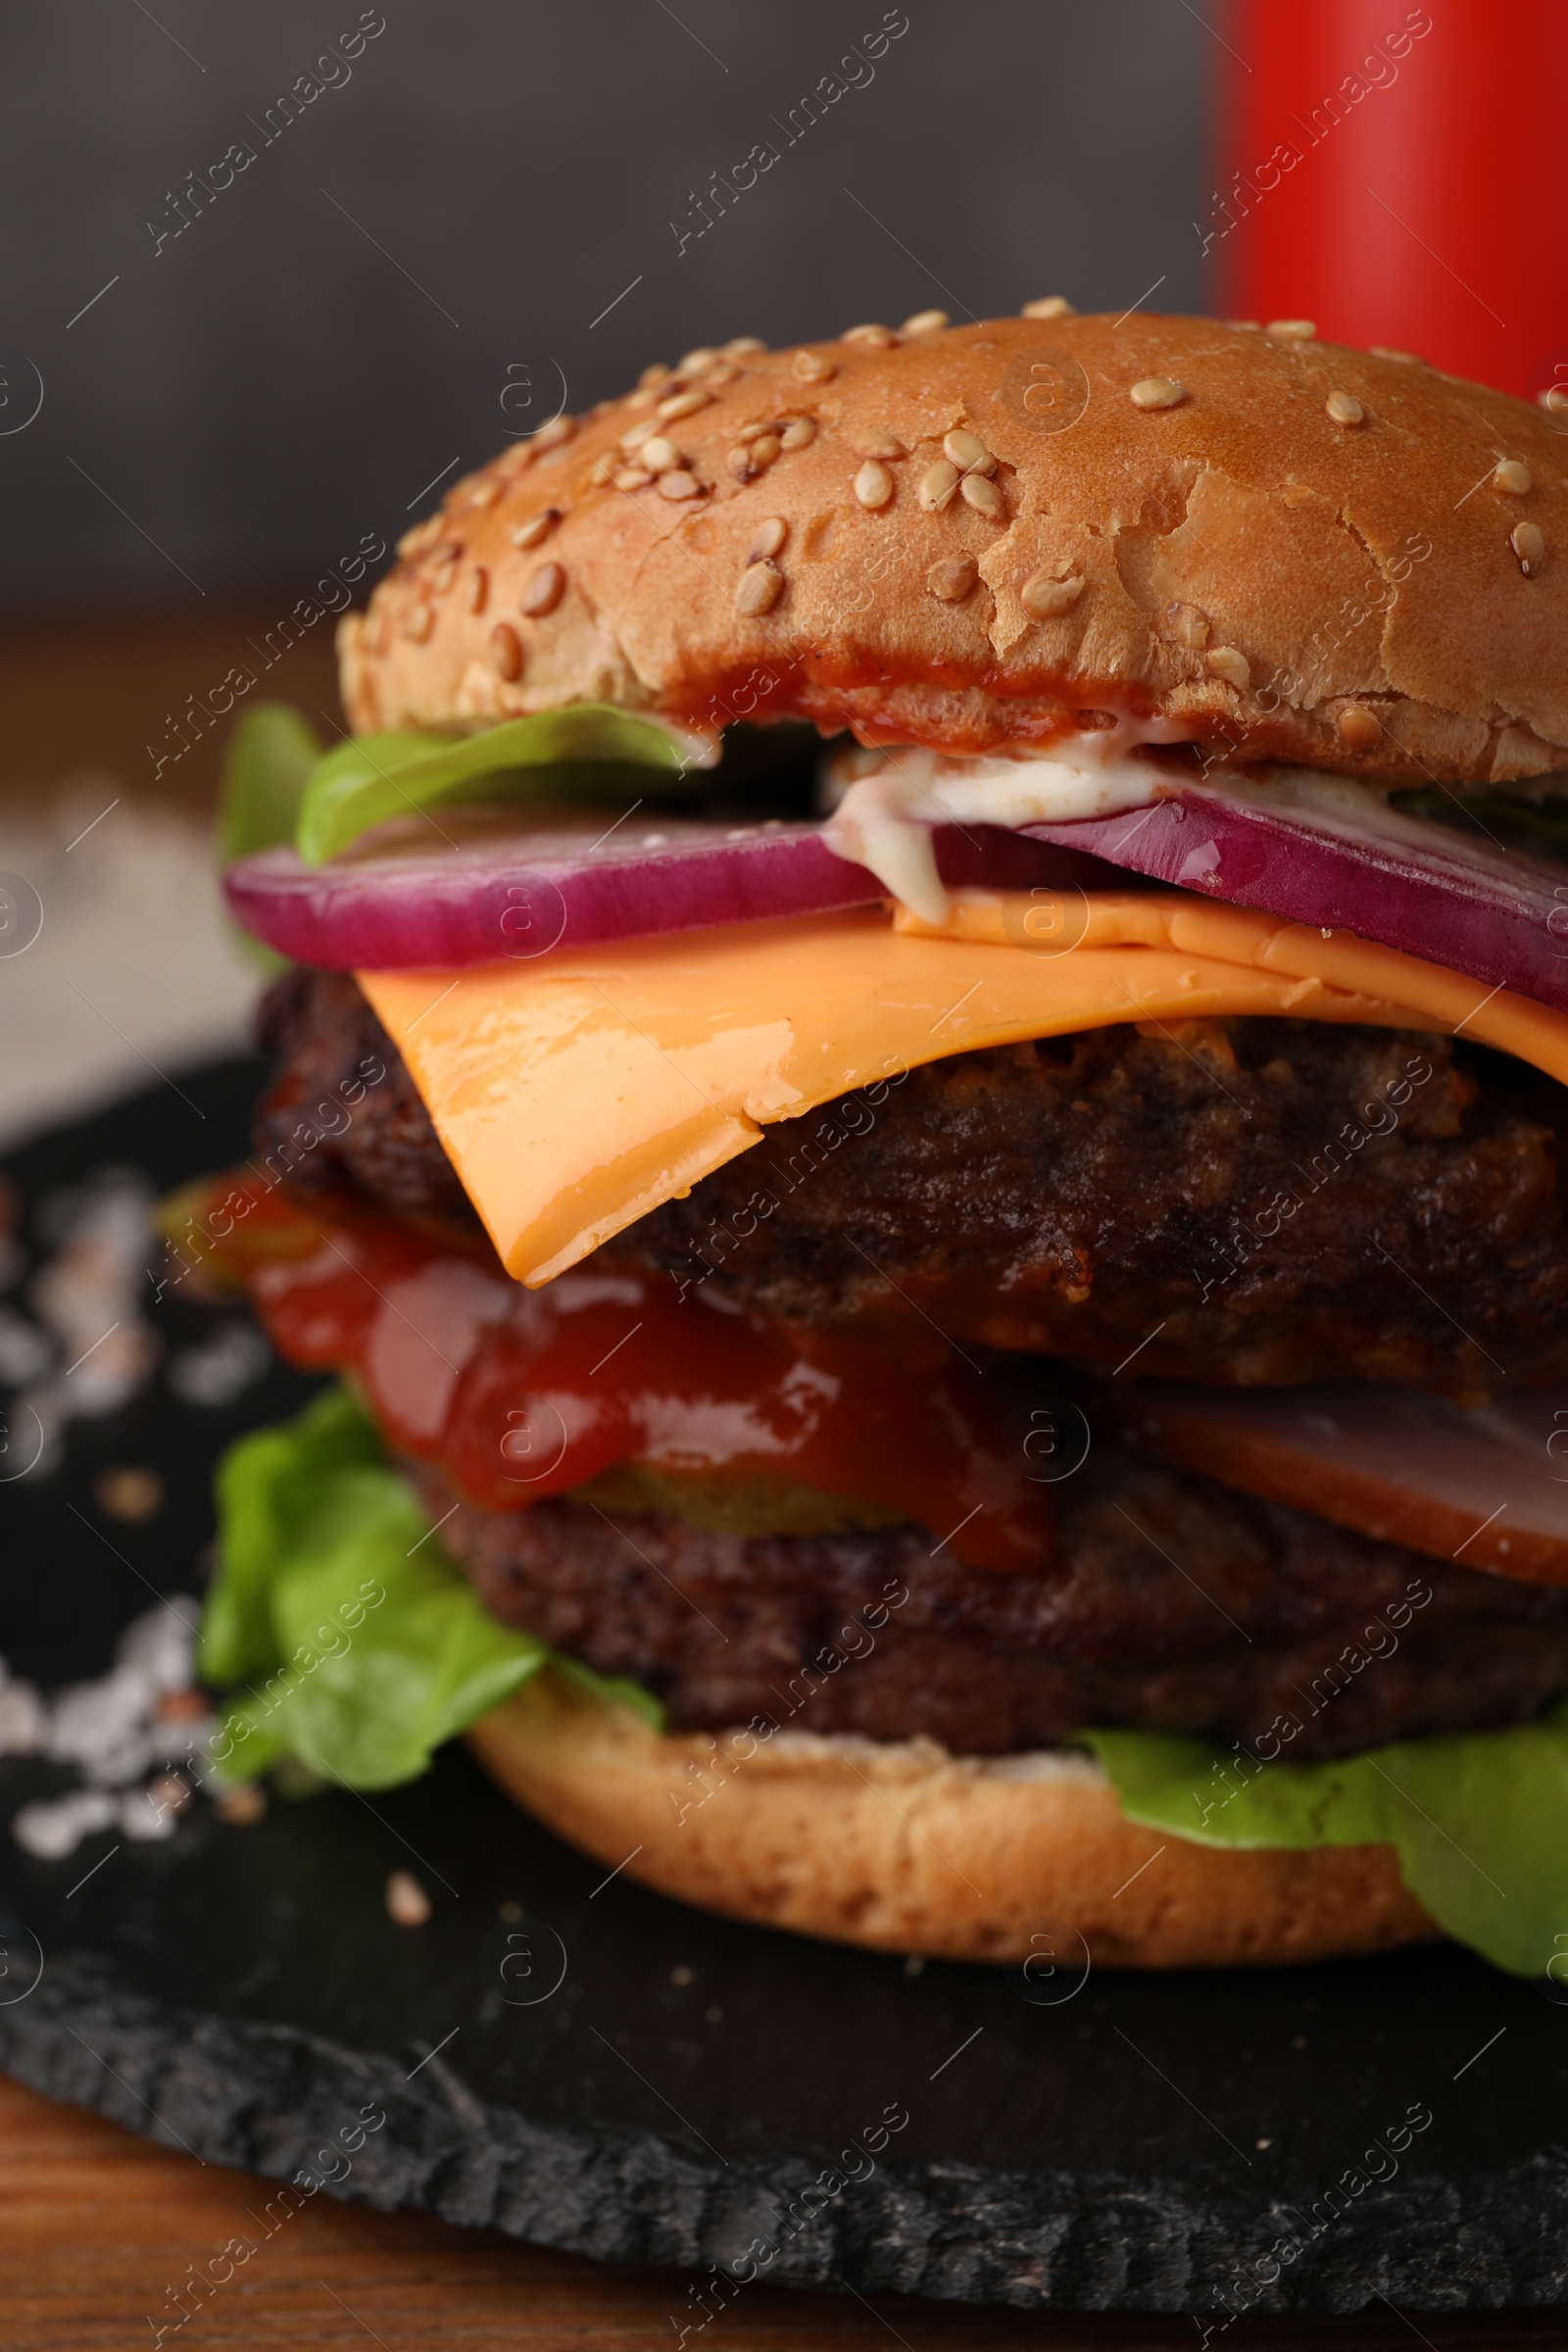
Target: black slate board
{"x": 1122, "y": 2142}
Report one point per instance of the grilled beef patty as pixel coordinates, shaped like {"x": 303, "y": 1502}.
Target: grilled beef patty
{"x": 332, "y": 1053}
{"x": 1244, "y": 1200}
{"x": 1172, "y": 1603}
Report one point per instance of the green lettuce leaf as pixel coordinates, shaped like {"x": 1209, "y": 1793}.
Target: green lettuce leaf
{"x": 1479, "y": 1821}
{"x": 362, "y": 1646}
{"x": 267, "y": 765}
{"x": 369, "y": 778}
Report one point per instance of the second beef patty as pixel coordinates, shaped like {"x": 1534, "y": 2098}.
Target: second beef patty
{"x": 1171, "y": 1604}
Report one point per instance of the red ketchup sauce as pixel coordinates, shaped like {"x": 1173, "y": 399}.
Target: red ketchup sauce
{"x": 521, "y": 1394}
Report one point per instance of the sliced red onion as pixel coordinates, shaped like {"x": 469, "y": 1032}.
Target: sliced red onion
{"x": 1321, "y": 849}
{"x": 520, "y": 893}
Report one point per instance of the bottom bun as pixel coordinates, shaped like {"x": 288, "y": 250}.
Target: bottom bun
{"x": 906, "y": 1848}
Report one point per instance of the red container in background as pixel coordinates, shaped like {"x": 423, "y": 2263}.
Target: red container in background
{"x": 1397, "y": 176}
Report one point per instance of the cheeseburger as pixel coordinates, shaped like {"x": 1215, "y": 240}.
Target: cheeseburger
{"x": 919, "y": 1111}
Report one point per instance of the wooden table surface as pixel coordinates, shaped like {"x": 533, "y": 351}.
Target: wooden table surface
{"x": 98, "y": 2225}
{"x": 101, "y": 691}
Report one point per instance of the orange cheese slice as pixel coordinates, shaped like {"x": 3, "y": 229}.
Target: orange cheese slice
{"x": 576, "y": 1092}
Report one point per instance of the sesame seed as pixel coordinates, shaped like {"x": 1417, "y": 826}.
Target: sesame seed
{"x": 697, "y": 362}
{"x": 759, "y": 589}
{"x": 877, "y": 338}
{"x": 129, "y": 1494}
{"x": 1554, "y": 398}
{"x": 1529, "y": 544}
{"x": 406, "y": 1899}
{"x": 767, "y": 538}
{"x": 878, "y": 444}
{"x": 679, "y": 484}
{"x": 683, "y": 404}
{"x": 1048, "y": 306}
{"x": 658, "y": 453}
{"x": 925, "y": 323}
{"x": 559, "y": 430}
{"x": 644, "y": 398}
{"x": 755, "y": 431}
{"x": 951, "y": 582}
{"x": 1515, "y": 477}
{"x": 636, "y": 434}
{"x": 242, "y": 1807}
{"x": 797, "y": 433}
{"x": 1343, "y": 408}
{"x": 1159, "y": 392}
{"x": 656, "y": 373}
{"x": 744, "y": 347}
{"x": 544, "y": 590}
{"x": 738, "y": 462}
{"x": 983, "y": 495}
{"x": 538, "y": 526}
{"x": 1295, "y": 330}
{"x": 969, "y": 452}
{"x": 1234, "y": 668}
{"x": 478, "y": 588}
{"x": 506, "y": 651}
{"x": 1359, "y": 726}
{"x": 873, "y": 484}
{"x": 764, "y": 449}
{"x": 813, "y": 367}
{"x": 1244, "y": 327}
{"x": 1406, "y": 358}
{"x": 1043, "y": 596}
{"x": 723, "y": 373}
{"x": 1188, "y": 625}
{"x": 632, "y": 477}
{"x": 420, "y": 536}
{"x": 937, "y": 485}
{"x": 485, "y": 493}
{"x": 419, "y": 621}
{"x": 442, "y": 577}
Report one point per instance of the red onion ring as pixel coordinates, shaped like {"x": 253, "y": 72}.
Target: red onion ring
{"x": 1496, "y": 915}
{"x": 522, "y": 893}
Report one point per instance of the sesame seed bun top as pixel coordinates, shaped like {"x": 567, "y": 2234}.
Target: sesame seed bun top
{"x": 976, "y": 537}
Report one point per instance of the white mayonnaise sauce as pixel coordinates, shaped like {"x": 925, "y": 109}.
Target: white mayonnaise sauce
{"x": 699, "y": 747}
{"x": 892, "y": 799}
{"x": 888, "y": 802}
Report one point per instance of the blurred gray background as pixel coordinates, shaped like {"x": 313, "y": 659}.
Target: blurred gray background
{"x": 488, "y": 187}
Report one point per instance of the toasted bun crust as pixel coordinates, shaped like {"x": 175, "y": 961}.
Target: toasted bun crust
{"x": 1363, "y": 595}
{"x": 906, "y": 1848}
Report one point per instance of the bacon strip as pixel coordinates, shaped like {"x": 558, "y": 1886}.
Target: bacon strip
{"x": 1486, "y": 1487}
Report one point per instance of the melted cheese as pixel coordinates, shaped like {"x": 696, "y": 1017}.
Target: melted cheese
{"x": 576, "y": 1092}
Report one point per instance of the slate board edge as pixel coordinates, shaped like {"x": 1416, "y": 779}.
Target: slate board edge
{"x": 266, "y": 2098}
